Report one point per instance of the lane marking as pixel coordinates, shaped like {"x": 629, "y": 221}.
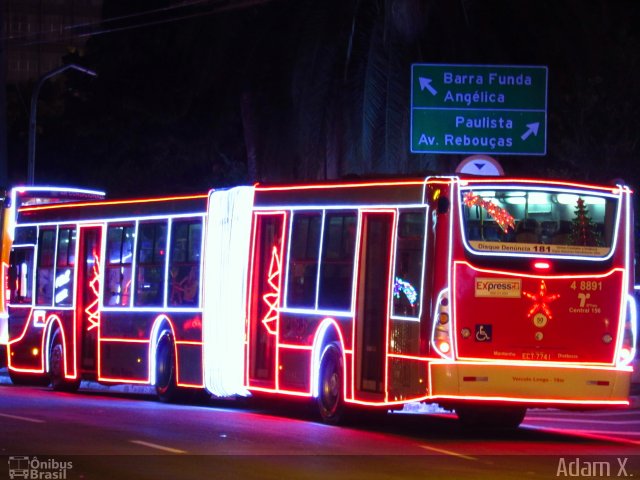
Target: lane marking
{"x": 448, "y": 452}
{"x": 24, "y": 419}
{"x": 157, "y": 447}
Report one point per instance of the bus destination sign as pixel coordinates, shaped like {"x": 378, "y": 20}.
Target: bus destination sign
{"x": 489, "y": 109}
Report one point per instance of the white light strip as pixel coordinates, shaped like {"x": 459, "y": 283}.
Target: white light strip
{"x": 286, "y": 268}
{"x": 43, "y": 188}
{"x": 34, "y": 265}
{"x": 154, "y": 338}
{"x": 93, "y": 221}
{"x": 457, "y": 194}
{"x": 393, "y": 271}
{"x": 629, "y": 307}
{"x": 228, "y": 236}
{"x": 316, "y": 312}
{"x": 318, "y": 352}
{"x": 320, "y": 247}
{"x": 167, "y": 260}
{"x": 542, "y": 188}
{"x": 134, "y": 264}
{"x": 404, "y": 319}
{"x": 12, "y": 211}
{"x": 633, "y": 314}
{"x": 350, "y": 206}
{"x": 537, "y": 185}
{"x": 113, "y": 309}
{"x": 425, "y": 245}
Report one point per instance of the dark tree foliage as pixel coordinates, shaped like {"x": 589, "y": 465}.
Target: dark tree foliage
{"x": 274, "y": 90}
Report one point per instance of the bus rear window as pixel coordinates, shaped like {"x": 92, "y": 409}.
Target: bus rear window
{"x": 554, "y": 222}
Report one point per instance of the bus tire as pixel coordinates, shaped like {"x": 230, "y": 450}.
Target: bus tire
{"x": 490, "y": 417}
{"x": 56, "y": 368}
{"x": 330, "y": 389}
{"x": 166, "y": 386}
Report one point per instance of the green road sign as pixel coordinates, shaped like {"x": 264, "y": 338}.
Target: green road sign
{"x": 478, "y": 109}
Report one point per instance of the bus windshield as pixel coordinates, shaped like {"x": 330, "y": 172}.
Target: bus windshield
{"x": 538, "y": 221}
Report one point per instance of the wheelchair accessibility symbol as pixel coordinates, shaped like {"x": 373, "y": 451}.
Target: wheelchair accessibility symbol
{"x": 483, "y": 333}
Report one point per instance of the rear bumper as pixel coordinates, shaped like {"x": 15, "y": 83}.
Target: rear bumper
{"x": 551, "y": 385}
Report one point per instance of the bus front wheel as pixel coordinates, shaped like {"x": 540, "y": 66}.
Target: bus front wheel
{"x": 330, "y": 396}
{"x": 56, "y": 369}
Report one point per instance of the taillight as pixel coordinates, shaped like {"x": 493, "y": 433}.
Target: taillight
{"x": 441, "y": 334}
{"x": 627, "y": 350}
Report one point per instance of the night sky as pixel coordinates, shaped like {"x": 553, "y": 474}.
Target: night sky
{"x": 219, "y": 93}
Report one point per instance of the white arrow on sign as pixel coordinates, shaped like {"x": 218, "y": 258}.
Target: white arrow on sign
{"x": 426, "y": 83}
{"x": 531, "y": 128}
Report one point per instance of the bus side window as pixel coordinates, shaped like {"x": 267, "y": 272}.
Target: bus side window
{"x": 336, "y": 269}
{"x": 151, "y": 256}
{"x": 44, "y": 269}
{"x": 303, "y": 260}
{"x": 407, "y": 285}
{"x": 65, "y": 261}
{"x": 117, "y": 291}
{"x": 184, "y": 263}
{"x": 20, "y": 276}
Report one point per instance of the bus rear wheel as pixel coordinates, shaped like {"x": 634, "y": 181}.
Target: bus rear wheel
{"x": 490, "y": 417}
{"x": 56, "y": 369}
{"x": 166, "y": 386}
{"x": 331, "y": 377}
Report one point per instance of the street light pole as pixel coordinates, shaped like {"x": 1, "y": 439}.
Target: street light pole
{"x": 32, "y": 114}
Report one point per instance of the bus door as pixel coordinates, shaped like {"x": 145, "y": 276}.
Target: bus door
{"x": 87, "y": 293}
{"x": 372, "y": 301}
{"x": 265, "y": 295}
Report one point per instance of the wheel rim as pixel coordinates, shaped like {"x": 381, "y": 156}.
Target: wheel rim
{"x": 56, "y": 361}
{"x": 330, "y": 395}
{"x": 164, "y": 369}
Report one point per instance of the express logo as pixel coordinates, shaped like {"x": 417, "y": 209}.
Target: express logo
{"x": 498, "y": 287}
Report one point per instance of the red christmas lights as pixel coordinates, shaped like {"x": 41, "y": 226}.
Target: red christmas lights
{"x": 272, "y": 298}
{"x": 503, "y": 218}
{"x": 541, "y": 301}
{"x": 93, "y": 310}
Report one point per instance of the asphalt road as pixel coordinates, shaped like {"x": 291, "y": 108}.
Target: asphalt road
{"x": 115, "y": 435}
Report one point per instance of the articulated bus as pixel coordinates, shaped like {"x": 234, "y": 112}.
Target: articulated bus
{"x": 486, "y": 295}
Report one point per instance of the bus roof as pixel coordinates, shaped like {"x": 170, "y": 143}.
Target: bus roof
{"x": 111, "y": 209}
